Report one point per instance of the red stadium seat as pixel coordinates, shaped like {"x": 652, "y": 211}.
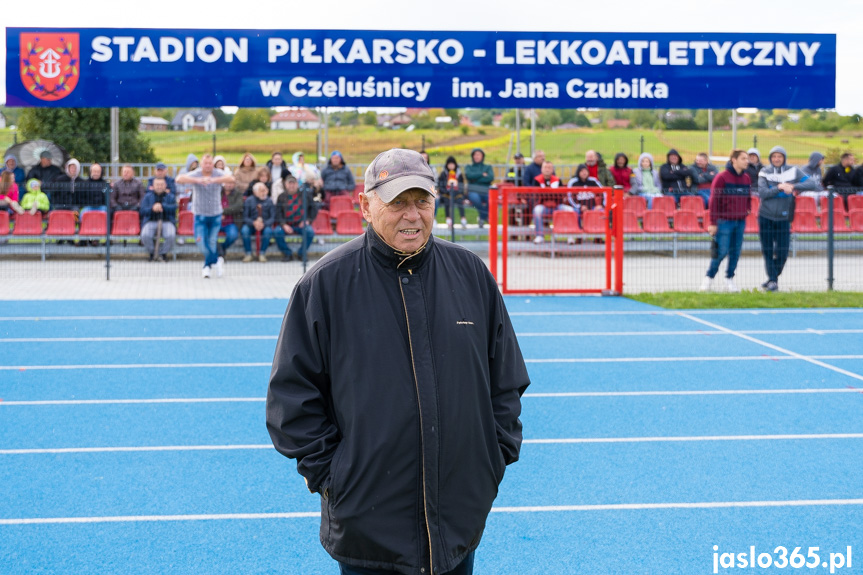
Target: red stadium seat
{"x": 656, "y": 221}
{"x": 664, "y": 204}
{"x": 322, "y": 225}
{"x": 61, "y": 223}
{"x": 340, "y": 204}
{"x": 4, "y": 223}
{"x": 838, "y": 207}
{"x": 855, "y": 203}
{"x": 630, "y": 223}
{"x": 755, "y": 205}
{"x": 804, "y": 204}
{"x": 839, "y": 224}
{"x": 27, "y": 224}
{"x": 564, "y": 223}
{"x": 635, "y": 204}
{"x": 349, "y": 223}
{"x": 856, "y": 219}
{"x": 184, "y": 204}
{"x": 804, "y": 222}
{"x": 594, "y": 222}
{"x": 686, "y": 221}
{"x": 751, "y": 224}
{"x": 126, "y": 223}
{"x": 355, "y": 195}
{"x": 186, "y": 223}
{"x": 692, "y": 204}
{"x": 94, "y": 223}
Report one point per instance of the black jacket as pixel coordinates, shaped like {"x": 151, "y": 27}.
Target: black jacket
{"x": 837, "y": 177}
{"x": 44, "y": 175}
{"x": 402, "y": 407}
{"x": 673, "y": 177}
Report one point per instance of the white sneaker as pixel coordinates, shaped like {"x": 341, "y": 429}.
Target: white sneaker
{"x": 706, "y": 284}
{"x": 205, "y": 273}
{"x": 731, "y": 287}
{"x": 464, "y": 223}
{"x": 538, "y": 239}
{"x": 448, "y": 222}
{"x": 220, "y": 267}
{"x": 570, "y": 241}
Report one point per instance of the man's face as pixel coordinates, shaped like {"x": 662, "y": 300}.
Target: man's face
{"x": 477, "y": 157}
{"x": 260, "y": 192}
{"x": 519, "y": 161}
{"x": 44, "y": 162}
{"x": 207, "y": 165}
{"x": 277, "y": 159}
{"x": 754, "y": 159}
{"x": 777, "y": 159}
{"x": 590, "y": 158}
{"x": 406, "y": 222}
{"x": 547, "y": 169}
{"x": 539, "y": 158}
{"x": 674, "y": 159}
{"x": 72, "y": 170}
{"x": 10, "y": 164}
{"x": 336, "y": 160}
{"x": 127, "y": 173}
{"x": 701, "y": 161}
{"x": 159, "y": 187}
{"x": 848, "y": 162}
{"x": 740, "y": 163}
{"x": 95, "y": 171}
{"x": 229, "y": 185}
{"x": 160, "y": 172}
{"x": 292, "y": 187}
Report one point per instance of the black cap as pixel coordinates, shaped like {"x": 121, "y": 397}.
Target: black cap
{"x": 519, "y": 156}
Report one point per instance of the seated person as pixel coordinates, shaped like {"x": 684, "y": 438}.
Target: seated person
{"x": 549, "y": 204}
{"x": 93, "y": 190}
{"x": 35, "y": 199}
{"x": 450, "y": 186}
{"x": 159, "y": 207}
{"x": 290, "y": 219}
{"x": 9, "y": 194}
{"x": 128, "y": 191}
{"x": 337, "y": 178}
{"x": 259, "y": 215}
{"x": 161, "y": 171}
{"x": 232, "y": 214}
{"x": 583, "y": 179}
{"x": 66, "y": 190}
{"x": 263, "y": 176}
{"x": 645, "y": 180}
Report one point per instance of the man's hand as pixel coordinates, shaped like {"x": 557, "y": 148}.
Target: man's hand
{"x": 259, "y": 224}
{"x": 288, "y": 229}
{"x": 711, "y": 229}
{"x": 157, "y": 208}
{"x": 786, "y": 187}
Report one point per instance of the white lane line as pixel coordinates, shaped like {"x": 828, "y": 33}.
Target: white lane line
{"x": 139, "y": 317}
{"x": 674, "y": 439}
{"x": 133, "y": 366}
{"x": 698, "y": 312}
{"x": 526, "y": 395}
{"x": 141, "y": 338}
{"x": 809, "y": 359}
{"x": 659, "y": 359}
{"x": 564, "y": 440}
{"x": 523, "y": 509}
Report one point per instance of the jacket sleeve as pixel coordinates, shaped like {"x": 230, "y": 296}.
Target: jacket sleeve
{"x": 716, "y": 190}
{"x": 509, "y": 379}
{"x": 249, "y": 217}
{"x": 235, "y": 205}
{"x": 147, "y": 205}
{"x": 169, "y": 203}
{"x": 299, "y": 415}
{"x": 806, "y": 183}
{"x": 311, "y": 206}
{"x": 269, "y": 214}
{"x": 766, "y": 190}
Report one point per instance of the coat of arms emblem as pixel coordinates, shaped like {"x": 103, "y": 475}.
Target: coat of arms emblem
{"x": 50, "y": 64}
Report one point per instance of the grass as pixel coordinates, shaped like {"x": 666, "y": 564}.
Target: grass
{"x": 750, "y": 299}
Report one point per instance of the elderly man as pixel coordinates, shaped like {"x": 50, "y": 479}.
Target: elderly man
{"x": 159, "y": 212}
{"x": 400, "y": 407}
{"x": 597, "y": 169}
{"x": 128, "y": 191}
{"x": 161, "y": 171}
{"x": 45, "y": 171}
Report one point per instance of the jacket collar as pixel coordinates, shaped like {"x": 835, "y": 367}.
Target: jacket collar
{"x": 393, "y": 258}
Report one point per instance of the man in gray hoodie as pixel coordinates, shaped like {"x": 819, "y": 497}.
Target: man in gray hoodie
{"x": 813, "y": 170}
{"x": 778, "y": 185}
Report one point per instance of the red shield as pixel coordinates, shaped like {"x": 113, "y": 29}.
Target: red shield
{"x": 49, "y": 64}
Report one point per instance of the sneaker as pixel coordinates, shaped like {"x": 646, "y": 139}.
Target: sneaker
{"x": 163, "y": 258}
{"x": 538, "y": 239}
{"x": 287, "y": 257}
{"x": 706, "y": 284}
{"x": 570, "y": 241}
{"x": 464, "y": 223}
{"x": 772, "y": 286}
{"x": 262, "y": 258}
{"x": 205, "y": 273}
{"x": 220, "y": 267}
{"x": 730, "y": 285}
{"x": 764, "y": 285}
{"x": 150, "y": 258}
{"x": 247, "y": 258}
{"x": 448, "y": 222}
{"x": 180, "y": 241}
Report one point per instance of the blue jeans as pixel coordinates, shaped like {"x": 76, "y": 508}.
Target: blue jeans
{"x": 463, "y": 568}
{"x": 207, "y": 237}
{"x": 248, "y": 232}
{"x": 231, "y": 235}
{"x": 480, "y": 202}
{"x": 705, "y": 196}
{"x": 729, "y": 240}
{"x": 307, "y": 233}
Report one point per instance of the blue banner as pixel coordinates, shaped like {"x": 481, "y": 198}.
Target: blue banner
{"x": 262, "y": 68}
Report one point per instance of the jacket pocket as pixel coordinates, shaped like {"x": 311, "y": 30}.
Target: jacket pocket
{"x": 501, "y": 465}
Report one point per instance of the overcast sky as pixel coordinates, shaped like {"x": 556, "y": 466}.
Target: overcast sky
{"x": 841, "y": 17}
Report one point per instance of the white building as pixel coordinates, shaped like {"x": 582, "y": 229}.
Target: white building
{"x": 302, "y": 119}
{"x": 198, "y": 120}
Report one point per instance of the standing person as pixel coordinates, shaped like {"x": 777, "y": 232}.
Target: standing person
{"x": 450, "y": 185}
{"x": 295, "y": 212}
{"x": 11, "y": 163}
{"x": 246, "y": 172}
{"x": 406, "y": 436}
{"x": 479, "y": 177}
{"x": 645, "y": 180}
{"x": 703, "y": 173}
{"x": 621, "y": 172}
{"x": 515, "y": 173}
{"x": 278, "y": 172}
{"x": 754, "y": 168}
{"x": 128, "y": 191}
{"x": 730, "y": 202}
{"x": 778, "y": 184}
{"x": 675, "y": 176}
{"x": 161, "y": 171}
{"x": 532, "y": 170}
{"x": 206, "y": 183}
{"x": 232, "y": 212}
{"x": 159, "y": 207}
{"x": 337, "y": 177}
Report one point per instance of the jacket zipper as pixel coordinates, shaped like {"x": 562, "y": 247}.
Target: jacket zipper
{"x": 422, "y": 440}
